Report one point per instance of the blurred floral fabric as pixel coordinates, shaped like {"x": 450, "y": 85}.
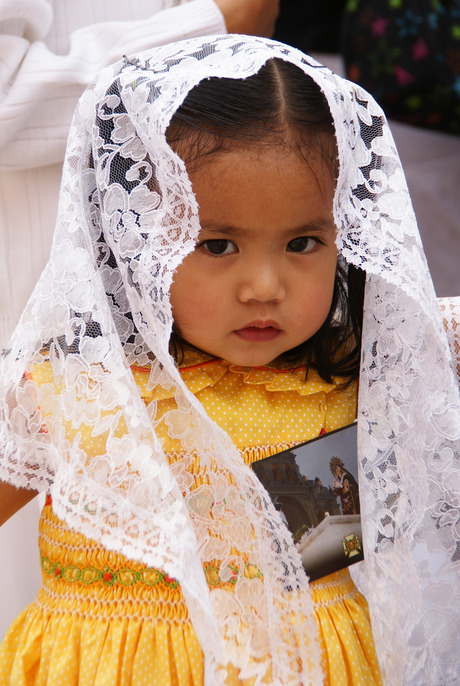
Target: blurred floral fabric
{"x": 407, "y": 54}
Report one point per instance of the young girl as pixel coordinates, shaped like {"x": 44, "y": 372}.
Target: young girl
{"x": 202, "y": 310}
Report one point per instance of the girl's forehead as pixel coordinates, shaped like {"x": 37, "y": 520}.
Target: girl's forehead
{"x": 258, "y": 191}
{"x": 265, "y": 169}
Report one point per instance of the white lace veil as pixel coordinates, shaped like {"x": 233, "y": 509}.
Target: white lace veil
{"x": 127, "y": 218}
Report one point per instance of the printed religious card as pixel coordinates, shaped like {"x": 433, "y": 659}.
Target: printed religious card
{"x": 314, "y": 486}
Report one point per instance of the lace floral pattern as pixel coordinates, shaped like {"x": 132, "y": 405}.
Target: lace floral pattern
{"x": 127, "y": 218}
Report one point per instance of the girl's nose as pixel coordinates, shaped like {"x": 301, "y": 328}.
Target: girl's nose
{"x": 261, "y": 282}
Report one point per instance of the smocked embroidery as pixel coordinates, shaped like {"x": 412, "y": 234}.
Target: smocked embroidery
{"x": 107, "y": 576}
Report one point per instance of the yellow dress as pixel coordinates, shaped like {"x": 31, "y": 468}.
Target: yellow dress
{"x": 101, "y": 619}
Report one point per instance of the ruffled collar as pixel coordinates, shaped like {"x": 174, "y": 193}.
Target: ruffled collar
{"x": 200, "y": 371}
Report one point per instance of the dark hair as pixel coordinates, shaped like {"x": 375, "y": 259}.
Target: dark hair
{"x": 282, "y": 105}
{"x": 279, "y": 104}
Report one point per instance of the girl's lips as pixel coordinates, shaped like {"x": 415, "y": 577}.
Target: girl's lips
{"x": 259, "y": 332}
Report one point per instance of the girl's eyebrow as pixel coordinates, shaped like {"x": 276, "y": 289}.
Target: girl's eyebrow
{"x": 221, "y": 229}
{"x": 317, "y": 226}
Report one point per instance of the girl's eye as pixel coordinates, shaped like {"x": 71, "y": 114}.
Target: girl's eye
{"x": 303, "y": 244}
{"x": 219, "y": 246}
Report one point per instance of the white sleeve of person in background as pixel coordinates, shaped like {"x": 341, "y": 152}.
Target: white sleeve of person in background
{"x": 42, "y": 79}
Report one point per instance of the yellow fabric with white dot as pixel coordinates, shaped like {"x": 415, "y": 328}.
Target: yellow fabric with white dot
{"x": 82, "y": 630}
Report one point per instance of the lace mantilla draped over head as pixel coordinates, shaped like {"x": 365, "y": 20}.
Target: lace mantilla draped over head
{"x": 127, "y": 218}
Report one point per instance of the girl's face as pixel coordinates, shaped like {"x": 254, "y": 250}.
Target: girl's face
{"x": 261, "y": 278}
